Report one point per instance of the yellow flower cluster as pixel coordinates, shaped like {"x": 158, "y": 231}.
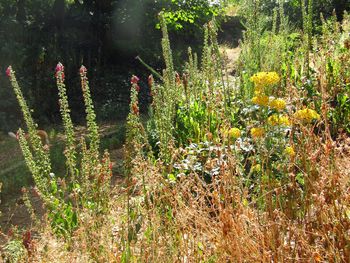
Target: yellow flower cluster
{"x": 278, "y": 104}
{"x": 261, "y": 100}
{"x": 263, "y": 79}
{"x": 289, "y": 151}
{"x": 257, "y": 132}
{"x": 234, "y": 133}
{"x": 306, "y": 115}
{"x": 275, "y": 120}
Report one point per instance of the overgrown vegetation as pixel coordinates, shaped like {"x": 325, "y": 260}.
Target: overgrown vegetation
{"x": 104, "y": 35}
{"x": 246, "y": 169}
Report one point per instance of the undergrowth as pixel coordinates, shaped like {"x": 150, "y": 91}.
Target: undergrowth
{"x": 250, "y": 170}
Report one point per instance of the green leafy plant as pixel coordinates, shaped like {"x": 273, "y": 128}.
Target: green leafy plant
{"x": 85, "y": 186}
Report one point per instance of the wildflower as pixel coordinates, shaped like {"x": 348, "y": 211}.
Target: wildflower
{"x": 278, "y": 104}
{"x": 284, "y": 120}
{"x": 306, "y": 115}
{"x": 134, "y": 82}
{"x": 258, "y": 90}
{"x": 59, "y": 67}
{"x": 289, "y": 151}
{"x": 263, "y": 79}
{"x": 83, "y": 70}
{"x": 257, "y": 132}
{"x": 275, "y": 120}
{"x": 9, "y": 71}
{"x": 59, "y": 71}
{"x": 134, "y": 79}
{"x": 261, "y": 100}
{"x": 234, "y": 133}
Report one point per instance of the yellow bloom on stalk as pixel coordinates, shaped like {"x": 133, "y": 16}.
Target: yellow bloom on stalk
{"x": 289, "y": 151}
{"x": 275, "y": 120}
{"x": 284, "y": 120}
{"x": 258, "y": 90}
{"x": 306, "y": 115}
{"x": 257, "y": 132}
{"x": 234, "y": 133}
{"x": 262, "y": 79}
{"x": 261, "y": 100}
{"x": 278, "y": 104}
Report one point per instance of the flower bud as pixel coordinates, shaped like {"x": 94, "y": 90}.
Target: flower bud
{"x": 9, "y": 71}
{"x": 59, "y": 67}
{"x": 83, "y": 70}
{"x": 134, "y": 79}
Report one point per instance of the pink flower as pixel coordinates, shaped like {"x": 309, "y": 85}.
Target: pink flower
{"x": 59, "y": 67}
{"x": 134, "y": 79}
{"x": 83, "y": 70}
{"x": 9, "y": 71}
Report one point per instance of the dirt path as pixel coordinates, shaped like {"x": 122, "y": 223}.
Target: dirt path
{"x": 230, "y": 56}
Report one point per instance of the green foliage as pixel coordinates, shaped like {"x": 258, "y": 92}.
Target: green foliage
{"x": 293, "y": 7}
{"x": 180, "y": 14}
{"x": 218, "y": 151}
{"x": 86, "y": 185}
{"x": 14, "y": 251}
{"x": 194, "y": 123}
